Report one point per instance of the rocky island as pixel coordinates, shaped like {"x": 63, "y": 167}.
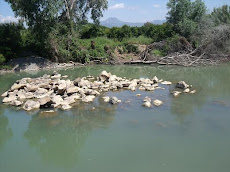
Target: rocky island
{"x": 57, "y": 91}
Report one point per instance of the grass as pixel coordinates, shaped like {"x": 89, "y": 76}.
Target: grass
{"x": 142, "y": 40}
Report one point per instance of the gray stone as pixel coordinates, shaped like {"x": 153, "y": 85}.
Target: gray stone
{"x": 115, "y": 100}
{"x": 31, "y": 105}
{"x": 182, "y": 85}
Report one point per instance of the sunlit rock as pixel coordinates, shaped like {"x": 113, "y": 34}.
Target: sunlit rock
{"x": 147, "y": 104}
{"x": 88, "y": 99}
{"x": 106, "y": 99}
{"x": 9, "y": 99}
{"x": 187, "y": 90}
{"x": 30, "y": 105}
{"x": 5, "y": 94}
{"x": 147, "y": 99}
{"x": 166, "y": 83}
{"x": 176, "y": 93}
{"x": 157, "y": 102}
{"x": 115, "y": 100}
{"x": 193, "y": 92}
{"x": 182, "y": 85}
{"x": 104, "y": 76}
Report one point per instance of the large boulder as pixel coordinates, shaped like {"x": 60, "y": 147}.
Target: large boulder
{"x": 45, "y": 102}
{"x": 40, "y": 92}
{"x": 16, "y": 103}
{"x": 72, "y": 90}
{"x": 31, "y": 87}
{"x": 57, "y": 100}
{"x": 182, "y": 85}
{"x": 104, "y": 76}
{"x": 17, "y": 86}
{"x": 5, "y": 94}
{"x": 88, "y": 99}
{"x": 31, "y": 105}
{"x": 9, "y": 99}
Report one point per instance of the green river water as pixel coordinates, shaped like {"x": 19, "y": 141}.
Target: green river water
{"x": 190, "y": 133}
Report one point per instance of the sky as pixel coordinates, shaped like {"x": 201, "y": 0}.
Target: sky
{"x": 125, "y": 10}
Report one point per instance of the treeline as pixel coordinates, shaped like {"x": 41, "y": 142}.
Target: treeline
{"x": 60, "y": 31}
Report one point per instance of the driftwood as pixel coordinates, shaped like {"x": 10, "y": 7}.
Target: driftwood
{"x": 186, "y": 57}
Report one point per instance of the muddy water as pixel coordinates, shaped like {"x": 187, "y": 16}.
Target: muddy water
{"x": 189, "y": 133}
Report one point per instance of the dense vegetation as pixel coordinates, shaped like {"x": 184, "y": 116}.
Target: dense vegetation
{"x": 60, "y": 30}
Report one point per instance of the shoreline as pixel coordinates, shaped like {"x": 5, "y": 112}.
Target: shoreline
{"x": 31, "y": 65}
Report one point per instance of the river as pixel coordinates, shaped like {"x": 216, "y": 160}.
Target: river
{"x": 189, "y": 133}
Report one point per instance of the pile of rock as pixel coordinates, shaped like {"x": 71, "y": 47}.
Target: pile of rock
{"x": 56, "y": 91}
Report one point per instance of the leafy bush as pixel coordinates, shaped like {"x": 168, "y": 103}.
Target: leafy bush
{"x": 158, "y": 53}
{"x": 10, "y": 39}
{"x": 2, "y": 59}
{"x": 131, "y": 48}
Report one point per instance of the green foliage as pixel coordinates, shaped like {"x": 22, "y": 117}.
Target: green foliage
{"x": 185, "y": 15}
{"x": 131, "y": 48}
{"x": 2, "y": 59}
{"x": 10, "y": 39}
{"x": 92, "y": 31}
{"x": 158, "y": 32}
{"x": 142, "y": 40}
{"x": 120, "y": 33}
{"x": 158, "y": 53}
{"x": 6, "y": 67}
{"x": 221, "y": 15}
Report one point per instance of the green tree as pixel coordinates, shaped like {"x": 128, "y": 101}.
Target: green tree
{"x": 185, "y": 15}
{"x": 221, "y": 15}
{"x": 42, "y": 14}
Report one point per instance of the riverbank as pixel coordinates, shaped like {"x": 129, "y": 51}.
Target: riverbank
{"x": 34, "y": 63}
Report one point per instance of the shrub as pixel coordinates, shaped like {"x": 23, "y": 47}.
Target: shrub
{"x": 2, "y": 59}
{"x": 131, "y": 48}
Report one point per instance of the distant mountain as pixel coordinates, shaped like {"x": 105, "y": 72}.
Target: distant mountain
{"x": 114, "y": 22}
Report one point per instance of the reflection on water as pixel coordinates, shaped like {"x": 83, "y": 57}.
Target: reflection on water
{"x": 188, "y": 133}
{"x": 61, "y": 137}
{"x": 5, "y": 131}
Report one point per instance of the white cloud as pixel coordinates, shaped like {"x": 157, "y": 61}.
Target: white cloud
{"x": 117, "y": 6}
{"x": 156, "y": 6}
{"x": 8, "y": 19}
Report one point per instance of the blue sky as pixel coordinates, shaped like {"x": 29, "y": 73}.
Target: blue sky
{"x": 126, "y": 10}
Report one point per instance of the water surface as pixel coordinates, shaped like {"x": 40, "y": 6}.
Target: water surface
{"x": 187, "y": 134}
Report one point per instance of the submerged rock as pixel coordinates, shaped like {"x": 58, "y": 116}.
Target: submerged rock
{"x": 66, "y": 107}
{"x": 147, "y": 99}
{"x": 176, "y": 93}
{"x": 166, "y": 83}
{"x": 193, "y": 92}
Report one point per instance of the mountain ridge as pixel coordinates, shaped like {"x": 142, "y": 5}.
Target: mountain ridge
{"x": 115, "y": 22}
